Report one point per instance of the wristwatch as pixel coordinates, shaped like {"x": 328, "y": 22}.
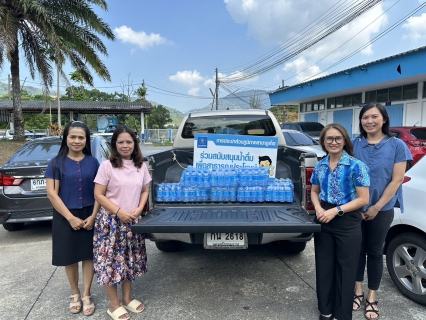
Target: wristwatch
{"x": 340, "y": 211}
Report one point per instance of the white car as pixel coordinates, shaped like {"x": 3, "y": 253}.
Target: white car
{"x": 405, "y": 245}
{"x": 302, "y": 141}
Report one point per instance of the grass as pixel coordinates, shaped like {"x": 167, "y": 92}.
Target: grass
{"x": 8, "y": 149}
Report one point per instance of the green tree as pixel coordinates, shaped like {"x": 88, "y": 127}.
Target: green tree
{"x": 39, "y": 28}
{"x": 141, "y": 94}
{"x": 159, "y": 116}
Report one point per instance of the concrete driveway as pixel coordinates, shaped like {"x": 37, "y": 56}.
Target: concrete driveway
{"x": 259, "y": 283}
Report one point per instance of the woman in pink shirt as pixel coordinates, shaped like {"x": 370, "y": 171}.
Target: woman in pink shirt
{"x": 121, "y": 188}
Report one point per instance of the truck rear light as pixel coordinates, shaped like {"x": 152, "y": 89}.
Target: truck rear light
{"x": 309, "y": 204}
{"x": 406, "y": 179}
{"x": 6, "y": 181}
{"x": 309, "y": 172}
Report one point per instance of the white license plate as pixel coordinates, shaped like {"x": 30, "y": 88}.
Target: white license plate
{"x": 38, "y": 184}
{"x": 225, "y": 240}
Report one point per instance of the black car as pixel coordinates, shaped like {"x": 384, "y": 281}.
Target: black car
{"x": 23, "y": 196}
{"x": 312, "y": 129}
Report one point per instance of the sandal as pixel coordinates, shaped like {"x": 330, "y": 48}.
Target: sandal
{"x": 133, "y": 305}
{"x": 86, "y": 299}
{"x": 358, "y": 301}
{"x": 371, "y": 304}
{"x": 118, "y": 313}
{"x": 75, "y": 304}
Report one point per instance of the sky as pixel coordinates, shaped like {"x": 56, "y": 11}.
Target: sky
{"x": 175, "y": 46}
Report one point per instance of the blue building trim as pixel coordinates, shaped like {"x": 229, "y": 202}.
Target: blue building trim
{"x": 385, "y": 70}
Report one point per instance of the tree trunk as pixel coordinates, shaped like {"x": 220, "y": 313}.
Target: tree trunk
{"x": 18, "y": 118}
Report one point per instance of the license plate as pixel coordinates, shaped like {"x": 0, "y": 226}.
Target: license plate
{"x": 38, "y": 184}
{"x": 225, "y": 241}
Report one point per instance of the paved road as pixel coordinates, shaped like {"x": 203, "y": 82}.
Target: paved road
{"x": 261, "y": 282}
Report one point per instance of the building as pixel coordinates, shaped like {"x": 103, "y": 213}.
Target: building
{"x": 398, "y": 82}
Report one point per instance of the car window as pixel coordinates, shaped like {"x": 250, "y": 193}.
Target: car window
{"x": 256, "y": 125}
{"x": 311, "y": 126}
{"x": 396, "y": 133}
{"x": 106, "y": 151}
{"x": 419, "y": 133}
{"x": 298, "y": 139}
{"x": 33, "y": 152}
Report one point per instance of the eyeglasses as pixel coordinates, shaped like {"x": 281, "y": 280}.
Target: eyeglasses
{"x": 331, "y": 139}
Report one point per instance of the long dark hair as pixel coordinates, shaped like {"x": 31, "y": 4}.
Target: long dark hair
{"x": 385, "y": 127}
{"x": 348, "y": 147}
{"x": 63, "y": 151}
{"x": 136, "y": 156}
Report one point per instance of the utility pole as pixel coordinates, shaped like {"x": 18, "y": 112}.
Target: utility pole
{"x": 58, "y": 94}
{"x": 8, "y": 87}
{"x": 284, "y": 114}
{"x": 217, "y": 90}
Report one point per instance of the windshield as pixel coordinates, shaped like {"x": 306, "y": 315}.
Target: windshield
{"x": 419, "y": 133}
{"x": 256, "y": 125}
{"x": 298, "y": 139}
{"x": 311, "y": 126}
{"x": 34, "y": 152}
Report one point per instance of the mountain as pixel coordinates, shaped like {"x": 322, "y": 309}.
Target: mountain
{"x": 31, "y": 90}
{"x": 249, "y": 99}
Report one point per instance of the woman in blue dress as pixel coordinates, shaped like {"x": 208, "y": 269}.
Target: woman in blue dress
{"x": 339, "y": 189}
{"x": 70, "y": 189}
{"x": 387, "y": 157}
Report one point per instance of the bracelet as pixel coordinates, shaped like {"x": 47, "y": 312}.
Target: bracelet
{"x": 374, "y": 206}
{"x": 117, "y": 211}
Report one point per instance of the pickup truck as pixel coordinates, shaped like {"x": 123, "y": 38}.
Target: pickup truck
{"x": 170, "y": 224}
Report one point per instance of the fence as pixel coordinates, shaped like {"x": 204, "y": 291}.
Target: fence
{"x": 157, "y": 135}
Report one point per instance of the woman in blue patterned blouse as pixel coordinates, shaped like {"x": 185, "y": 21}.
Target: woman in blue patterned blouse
{"x": 340, "y": 187}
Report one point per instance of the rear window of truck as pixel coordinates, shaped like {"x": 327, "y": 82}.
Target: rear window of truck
{"x": 255, "y": 125}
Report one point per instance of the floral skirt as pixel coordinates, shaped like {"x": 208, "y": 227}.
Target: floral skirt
{"x": 118, "y": 253}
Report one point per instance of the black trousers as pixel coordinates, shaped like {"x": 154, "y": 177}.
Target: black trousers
{"x": 373, "y": 237}
{"x": 337, "y": 249}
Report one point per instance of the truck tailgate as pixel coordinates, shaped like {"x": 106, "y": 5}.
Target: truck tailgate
{"x": 248, "y": 218}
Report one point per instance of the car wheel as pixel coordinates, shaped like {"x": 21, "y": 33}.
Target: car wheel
{"x": 13, "y": 226}
{"x": 168, "y": 246}
{"x": 406, "y": 263}
{"x": 293, "y": 247}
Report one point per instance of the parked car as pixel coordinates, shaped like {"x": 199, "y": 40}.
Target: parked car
{"x": 312, "y": 129}
{"x": 29, "y": 134}
{"x": 302, "y": 141}
{"x": 23, "y": 195}
{"x": 405, "y": 245}
{"x": 106, "y": 135}
{"x": 415, "y": 138}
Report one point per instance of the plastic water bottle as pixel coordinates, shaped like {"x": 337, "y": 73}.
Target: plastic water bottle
{"x": 213, "y": 178}
{"x": 166, "y": 193}
{"x": 233, "y": 178}
{"x": 213, "y": 194}
{"x": 289, "y": 187}
{"x": 172, "y": 192}
{"x": 240, "y": 194}
{"x": 178, "y": 192}
{"x": 191, "y": 194}
{"x": 160, "y": 190}
{"x": 204, "y": 195}
{"x": 220, "y": 194}
{"x": 220, "y": 178}
{"x": 185, "y": 194}
{"x": 233, "y": 194}
{"x": 268, "y": 193}
{"x": 206, "y": 178}
{"x": 275, "y": 197}
{"x": 193, "y": 178}
{"x": 226, "y": 178}
{"x": 247, "y": 194}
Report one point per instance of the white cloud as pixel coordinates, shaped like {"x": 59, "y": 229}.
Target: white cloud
{"x": 187, "y": 78}
{"x": 302, "y": 68}
{"x": 276, "y": 21}
{"x": 194, "y": 92}
{"x": 416, "y": 26}
{"x": 139, "y": 38}
{"x": 211, "y": 82}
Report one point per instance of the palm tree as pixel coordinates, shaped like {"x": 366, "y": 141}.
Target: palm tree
{"x": 39, "y": 27}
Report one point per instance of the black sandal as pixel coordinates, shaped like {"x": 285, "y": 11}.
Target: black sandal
{"x": 371, "y": 304}
{"x": 321, "y": 317}
{"x": 358, "y": 301}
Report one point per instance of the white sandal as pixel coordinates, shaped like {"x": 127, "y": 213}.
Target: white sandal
{"x": 75, "y": 303}
{"x": 86, "y": 299}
